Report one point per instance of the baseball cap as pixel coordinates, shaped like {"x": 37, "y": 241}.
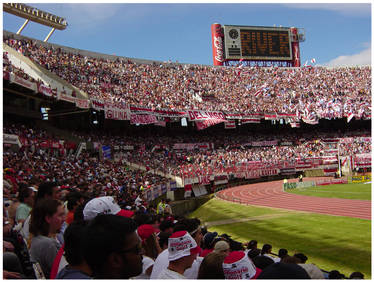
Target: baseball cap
{"x": 221, "y": 246}
{"x": 181, "y": 244}
{"x": 238, "y": 266}
{"x": 102, "y": 205}
{"x": 145, "y": 231}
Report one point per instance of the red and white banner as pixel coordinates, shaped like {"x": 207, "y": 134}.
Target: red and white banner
{"x": 295, "y": 124}
{"x": 116, "y": 113}
{"x": 264, "y": 143}
{"x": 23, "y": 82}
{"x": 161, "y": 123}
{"x": 270, "y": 116}
{"x": 193, "y": 146}
{"x": 220, "y": 179}
{"x": 82, "y": 103}
{"x": 197, "y": 115}
{"x": 45, "y": 90}
{"x": 201, "y": 125}
{"x": 251, "y": 120}
{"x": 187, "y": 184}
{"x": 97, "y": 105}
{"x": 143, "y": 119}
{"x": 230, "y": 124}
{"x": 66, "y": 98}
{"x": 204, "y": 180}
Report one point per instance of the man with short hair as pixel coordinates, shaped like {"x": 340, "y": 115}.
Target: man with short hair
{"x": 112, "y": 248}
{"x": 182, "y": 253}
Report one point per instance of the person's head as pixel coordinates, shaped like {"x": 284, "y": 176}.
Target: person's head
{"x": 356, "y": 275}
{"x": 237, "y": 265}
{"x": 47, "y": 217}
{"x": 208, "y": 239}
{"x": 163, "y": 238}
{"x": 182, "y": 250}
{"x": 147, "y": 234}
{"x": 74, "y": 199}
{"x": 282, "y": 253}
{"x": 303, "y": 258}
{"x": 73, "y": 238}
{"x": 283, "y": 271}
{"x": 104, "y": 205}
{"x": 48, "y": 190}
{"x": 222, "y": 247}
{"x": 166, "y": 226}
{"x": 252, "y": 245}
{"x": 334, "y": 274}
{"x": 27, "y": 195}
{"x": 266, "y": 249}
{"x": 254, "y": 253}
{"x": 211, "y": 267}
{"x": 192, "y": 226}
{"x": 112, "y": 248}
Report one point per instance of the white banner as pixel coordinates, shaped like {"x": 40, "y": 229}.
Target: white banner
{"x": 205, "y": 115}
{"x": 143, "y": 119}
{"x": 11, "y": 139}
{"x": 116, "y": 113}
{"x": 23, "y": 82}
{"x": 82, "y": 103}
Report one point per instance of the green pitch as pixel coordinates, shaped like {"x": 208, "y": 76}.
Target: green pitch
{"x": 330, "y": 242}
{"x": 343, "y": 191}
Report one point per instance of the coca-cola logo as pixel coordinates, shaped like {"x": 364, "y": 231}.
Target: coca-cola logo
{"x": 219, "y": 48}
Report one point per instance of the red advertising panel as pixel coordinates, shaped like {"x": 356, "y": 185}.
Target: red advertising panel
{"x": 217, "y": 45}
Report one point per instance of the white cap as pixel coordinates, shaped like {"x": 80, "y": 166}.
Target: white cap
{"x": 101, "y": 205}
{"x": 238, "y": 266}
{"x": 181, "y": 244}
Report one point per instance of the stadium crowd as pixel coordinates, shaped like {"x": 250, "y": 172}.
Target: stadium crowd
{"x": 81, "y": 217}
{"x": 309, "y": 92}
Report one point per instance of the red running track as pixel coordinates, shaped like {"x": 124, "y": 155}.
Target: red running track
{"x": 270, "y": 194}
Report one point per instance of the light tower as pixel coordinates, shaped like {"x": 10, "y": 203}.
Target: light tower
{"x": 35, "y": 15}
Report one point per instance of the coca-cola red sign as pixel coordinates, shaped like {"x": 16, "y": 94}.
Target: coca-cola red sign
{"x": 217, "y": 45}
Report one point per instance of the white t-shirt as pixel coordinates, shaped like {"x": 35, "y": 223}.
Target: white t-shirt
{"x": 162, "y": 262}
{"x": 275, "y": 259}
{"x": 147, "y": 263}
{"x": 170, "y": 274}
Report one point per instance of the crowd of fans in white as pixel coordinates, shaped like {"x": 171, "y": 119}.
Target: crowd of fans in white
{"x": 316, "y": 92}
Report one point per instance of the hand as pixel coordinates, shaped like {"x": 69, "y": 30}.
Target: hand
{"x": 11, "y": 275}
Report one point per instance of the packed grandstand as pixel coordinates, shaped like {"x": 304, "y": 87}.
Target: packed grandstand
{"x": 243, "y": 124}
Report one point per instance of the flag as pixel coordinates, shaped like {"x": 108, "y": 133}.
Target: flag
{"x": 350, "y": 116}
{"x": 313, "y": 61}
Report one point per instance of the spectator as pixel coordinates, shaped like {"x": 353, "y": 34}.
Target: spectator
{"x": 77, "y": 267}
{"x": 26, "y": 197}
{"x": 356, "y": 275}
{"x": 211, "y": 267}
{"x": 266, "y": 251}
{"x": 313, "y": 271}
{"x": 182, "y": 251}
{"x": 283, "y": 271}
{"x": 237, "y": 265}
{"x": 47, "y": 218}
{"x": 222, "y": 247}
{"x": 303, "y": 258}
{"x": 112, "y": 248}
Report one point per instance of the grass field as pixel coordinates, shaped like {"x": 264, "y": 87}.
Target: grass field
{"x": 343, "y": 191}
{"x": 330, "y": 242}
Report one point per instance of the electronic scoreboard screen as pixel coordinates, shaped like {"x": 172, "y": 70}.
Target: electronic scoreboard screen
{"x": 257, "y": 43}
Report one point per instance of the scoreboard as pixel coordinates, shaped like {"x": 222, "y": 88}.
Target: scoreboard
{"x": 257, "y": 43}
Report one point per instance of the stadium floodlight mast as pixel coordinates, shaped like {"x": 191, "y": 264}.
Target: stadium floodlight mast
{"x": 35, "y": 15}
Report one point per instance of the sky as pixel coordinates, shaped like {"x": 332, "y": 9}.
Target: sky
{"x": 337, "y": 34}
